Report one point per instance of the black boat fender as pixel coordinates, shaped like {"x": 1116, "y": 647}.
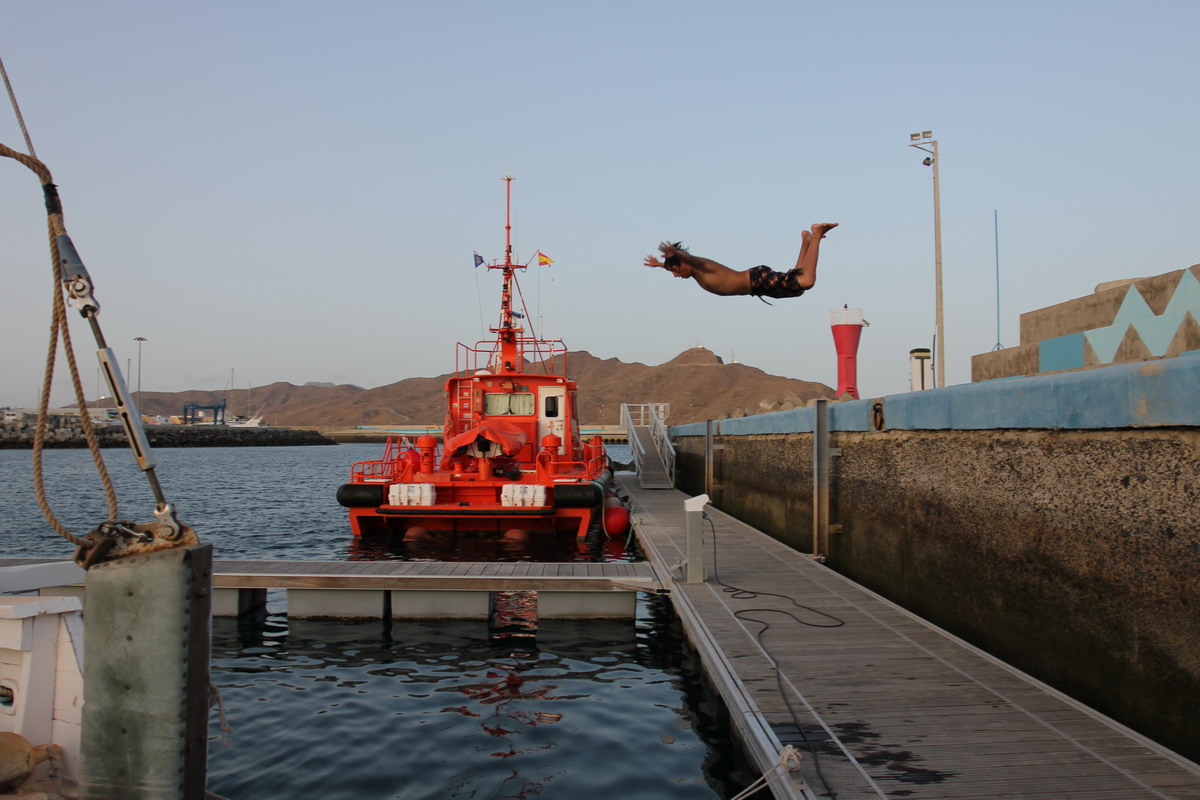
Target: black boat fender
{"x": 355, "y": 495}
{"x": 582, "y": 495}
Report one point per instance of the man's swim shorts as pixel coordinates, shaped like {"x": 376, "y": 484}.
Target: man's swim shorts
{"x": 766, "y": 282}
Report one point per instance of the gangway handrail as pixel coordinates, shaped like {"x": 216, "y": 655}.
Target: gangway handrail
{"x": 662, "y": 437}
{"x": 635, "y": 445}
{"x": 652, "y": 416}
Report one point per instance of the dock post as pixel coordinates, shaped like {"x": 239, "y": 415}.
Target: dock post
{"x": 820, "y": 451}
{"x": 708, "y": 457}
{"x": 145, "y": 677}
{"x": 693, "y": 509}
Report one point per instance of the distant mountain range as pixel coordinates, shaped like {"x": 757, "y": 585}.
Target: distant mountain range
{"x": 697, "y": 384}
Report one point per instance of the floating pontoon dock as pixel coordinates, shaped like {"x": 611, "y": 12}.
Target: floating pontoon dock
{"x": 892, "y": 705}
{"x": 395, "y": 589}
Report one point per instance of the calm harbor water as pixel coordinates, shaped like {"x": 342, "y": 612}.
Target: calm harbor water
{"x": 391, "y": 709}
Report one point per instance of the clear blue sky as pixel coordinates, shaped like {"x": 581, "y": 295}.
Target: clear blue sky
{"x": 293, "y": 190}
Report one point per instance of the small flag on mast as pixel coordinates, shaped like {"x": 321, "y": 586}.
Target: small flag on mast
{"x": 478, "y": 260}
{"x": 544, "y": 260}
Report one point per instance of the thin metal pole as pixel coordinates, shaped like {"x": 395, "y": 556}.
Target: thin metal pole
{"x": 138, "y": 402}
{"x": 996, "y": 226}
{"x": 820, "y": 475}
{"x": 937, "y": 245}
{"x": 508, "y": 219}
{"x": 708, "y": 456}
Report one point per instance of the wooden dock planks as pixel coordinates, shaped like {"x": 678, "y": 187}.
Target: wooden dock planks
{"x": 893, "y": 706}
{"x": 440, "y": 575}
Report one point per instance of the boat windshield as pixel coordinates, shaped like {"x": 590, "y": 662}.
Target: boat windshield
{"x": 496, "y": 404}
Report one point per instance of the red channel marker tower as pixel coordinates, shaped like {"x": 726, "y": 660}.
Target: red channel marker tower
{"x": 847, "y": 324}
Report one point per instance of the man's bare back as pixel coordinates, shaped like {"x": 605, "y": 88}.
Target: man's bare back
{"x": 761, "y": 281}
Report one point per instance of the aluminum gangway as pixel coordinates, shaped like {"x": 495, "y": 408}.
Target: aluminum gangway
{"x": 650, "y": 443}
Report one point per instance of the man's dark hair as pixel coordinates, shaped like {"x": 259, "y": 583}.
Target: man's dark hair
{"x": 673, "y": 261}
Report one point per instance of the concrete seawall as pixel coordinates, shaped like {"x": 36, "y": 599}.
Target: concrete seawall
{"x": 21, "y": 437}
{"x": 1050, "y": 520}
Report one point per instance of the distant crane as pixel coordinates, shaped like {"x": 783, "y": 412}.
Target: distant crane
{"x": 191, "y": 417}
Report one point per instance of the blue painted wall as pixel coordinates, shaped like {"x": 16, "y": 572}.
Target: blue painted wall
{"x": 1147, "y": 394}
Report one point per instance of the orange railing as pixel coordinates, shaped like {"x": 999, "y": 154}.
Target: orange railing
{"x": 548, "y": 356}
{"x": 595, "y": 460}
{"x": 389, "y": 469}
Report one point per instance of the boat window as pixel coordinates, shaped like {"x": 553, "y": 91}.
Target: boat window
{"x": 552, "y": 406}
{"x": 496, "y": 404}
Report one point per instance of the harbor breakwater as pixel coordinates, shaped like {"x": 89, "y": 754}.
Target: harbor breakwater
{"x": 20, "y": 436}
{"x": 1052, "y": 521}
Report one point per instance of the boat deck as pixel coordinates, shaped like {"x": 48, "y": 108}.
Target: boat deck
{"x": 891, "y": 705}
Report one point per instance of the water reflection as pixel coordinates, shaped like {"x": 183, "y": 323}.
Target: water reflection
{"x": 385, "y": 709}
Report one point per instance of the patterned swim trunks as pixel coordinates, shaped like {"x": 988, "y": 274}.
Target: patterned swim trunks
{"x": 766, "y": 282}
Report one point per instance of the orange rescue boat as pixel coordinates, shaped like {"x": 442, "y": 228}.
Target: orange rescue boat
{"x": 511, "y": 460}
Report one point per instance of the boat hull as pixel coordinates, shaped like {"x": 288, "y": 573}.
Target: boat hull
{"x": 393, "y": 520}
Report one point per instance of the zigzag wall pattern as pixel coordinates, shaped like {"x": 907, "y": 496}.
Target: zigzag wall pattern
{"x": 1135, "y": 334}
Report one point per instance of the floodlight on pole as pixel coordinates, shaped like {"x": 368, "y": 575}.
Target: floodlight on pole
{"x": 919, "y": 141}
{"x": 138, "y": 402}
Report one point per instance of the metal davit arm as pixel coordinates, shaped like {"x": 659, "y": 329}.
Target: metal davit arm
{"x": 147, "y": 644}
{"x": 115, "y": 538}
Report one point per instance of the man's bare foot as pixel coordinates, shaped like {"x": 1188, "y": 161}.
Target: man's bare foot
{"x": 819, "y": 229}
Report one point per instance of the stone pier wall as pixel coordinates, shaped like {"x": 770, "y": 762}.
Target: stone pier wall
{"x": 20, "y": 436}
{"x": 1070, "y": 551}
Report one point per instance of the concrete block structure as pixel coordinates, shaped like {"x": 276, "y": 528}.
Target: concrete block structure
{"x": 1122, "y": 322}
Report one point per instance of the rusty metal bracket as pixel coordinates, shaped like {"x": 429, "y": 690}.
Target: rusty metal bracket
{"x": 118, "y": 539}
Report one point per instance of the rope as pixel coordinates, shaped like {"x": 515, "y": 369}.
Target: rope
{"x": 17, "y": 109}
{"x": 214, "y": 699}
{"x": 789, "y": 761}
{"x": 59, "y": 329}
{"x": 738, "y": 593}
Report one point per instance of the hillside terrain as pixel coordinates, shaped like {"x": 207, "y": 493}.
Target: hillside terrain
{"x": 697, "y": 384}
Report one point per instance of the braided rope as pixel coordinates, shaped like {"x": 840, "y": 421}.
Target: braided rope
{"x": 12, "y": 97}
{"x": 59, "y": 329}
{"x": 789, "y": 761}
{"x": 40, "y": 169}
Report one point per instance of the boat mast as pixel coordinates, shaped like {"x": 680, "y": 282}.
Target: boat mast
{"x": 508, "y": 179}
{"x": 508, "y": 330}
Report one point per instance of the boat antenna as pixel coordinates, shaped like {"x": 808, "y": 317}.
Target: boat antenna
{"x": 508, "y": 179}
{"x": 996, "y": 225}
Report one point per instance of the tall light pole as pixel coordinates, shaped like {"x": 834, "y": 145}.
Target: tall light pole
{"x": 919, "y": 141}
{"x": 139, "y": 340}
